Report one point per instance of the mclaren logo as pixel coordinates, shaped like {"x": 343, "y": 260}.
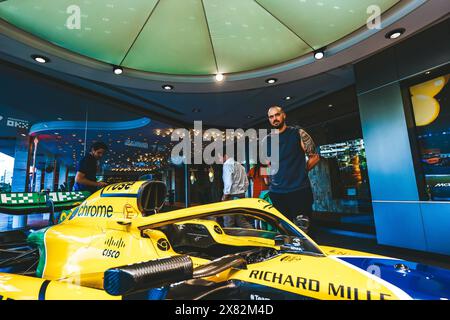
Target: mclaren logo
{"x": 163, "y": 244}
{"x": 442, "y": 185}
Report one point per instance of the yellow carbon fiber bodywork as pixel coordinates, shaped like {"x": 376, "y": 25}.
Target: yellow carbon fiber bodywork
{"x": 108, "y": 230}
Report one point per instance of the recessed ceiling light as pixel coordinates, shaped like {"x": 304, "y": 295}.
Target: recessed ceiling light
{"x": 319, "y": 54}
{"x": 59, "y": 118}
{"x": 330, "y": 106}
{"x": 219, "y": 77}
{"x": 271, "y": 80}
{"x": 167, "y": 87}
{"x": 428, "y": 72}
{"x": 287, "y": 98}
{"x": 117, "y": 70}
{"x": 40, "y": 59}
{"x": 394, "y": 34}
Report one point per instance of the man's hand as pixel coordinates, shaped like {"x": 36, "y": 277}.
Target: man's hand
{"x": 101, "y": 184}
{"x": 313, "y": 160}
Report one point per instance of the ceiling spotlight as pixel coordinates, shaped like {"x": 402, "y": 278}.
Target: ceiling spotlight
{"x": 394, "y": 34}
{"x": 287, "y": 98}
{"x": 428, "y": 72}
{"x": 40, "y": 59}
{"x": 219, "y": 77}
{"x": 167, "y": 87}
{"x": 271, "y": 80}
{"x": 330, "y": 106}
{"x": 117, "y": 70}
{"x": 319, "y": 54}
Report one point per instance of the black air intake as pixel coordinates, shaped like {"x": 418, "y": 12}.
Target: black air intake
{"x": 146, "y": 275}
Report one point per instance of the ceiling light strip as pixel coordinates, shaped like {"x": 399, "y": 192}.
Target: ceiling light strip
{"x": 210, "y": 38}
{"x": 285, "y": 25}
{"x": 139, "y": 33}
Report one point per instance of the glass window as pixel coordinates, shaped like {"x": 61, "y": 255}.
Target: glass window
{"x": 431, "y": 109}
{"x": 348, "y": 175}
{"x": 47, "y": 131}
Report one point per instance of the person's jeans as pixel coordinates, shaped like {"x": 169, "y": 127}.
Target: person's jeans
{"x": 293, "y": 203}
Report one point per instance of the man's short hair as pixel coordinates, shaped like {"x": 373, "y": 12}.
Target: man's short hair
{"x": 277, "y": 107}
{"x": 99, "y": 145}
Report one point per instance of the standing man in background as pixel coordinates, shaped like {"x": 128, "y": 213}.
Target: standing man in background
{"x": 235, "y": 185}
{"x": 85, "y": 179}
{"x": 290, "y": 188}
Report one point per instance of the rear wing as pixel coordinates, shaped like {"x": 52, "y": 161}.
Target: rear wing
{"x": 22, "y": 203}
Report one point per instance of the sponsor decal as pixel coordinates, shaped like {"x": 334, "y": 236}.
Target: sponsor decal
{"x": 354, "y": 293}
{"x": 111, "y": 253}
{"x": 312, "y": 285}
{"x": 97, "y": 211}
{"x": 217, "y": 229}
{"x": 118, "y": 187}
{"x": 111, "y": 242}
{"x": 337, "y": 252}
{"x": 74, "y": 213}
{"x": 163, "y": 244}
{"x": 290, "y": 258}
{"x": 129, "y": 212}
{"x": 295, "y": 282}
{"x": 267, "y": 206}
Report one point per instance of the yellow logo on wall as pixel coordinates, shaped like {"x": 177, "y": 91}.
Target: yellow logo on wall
{"x": 426, "y": 107}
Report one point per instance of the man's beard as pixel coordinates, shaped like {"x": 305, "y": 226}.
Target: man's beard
{"x": 279, "y": 125}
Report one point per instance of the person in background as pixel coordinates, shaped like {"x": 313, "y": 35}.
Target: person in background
{"x": 235, "y": 185}
{"x": 85, "y": 179}
{"x": 290, "y": 188}
{"x": 258, "y": 174}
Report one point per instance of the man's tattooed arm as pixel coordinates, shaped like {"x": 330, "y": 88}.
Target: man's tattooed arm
{"x": 308, "y": 143}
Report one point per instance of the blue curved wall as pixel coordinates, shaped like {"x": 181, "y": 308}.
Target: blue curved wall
{"x": 401, "y": 219}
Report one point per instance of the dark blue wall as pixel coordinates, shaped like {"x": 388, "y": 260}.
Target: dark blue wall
{"x": 401, "y": 219}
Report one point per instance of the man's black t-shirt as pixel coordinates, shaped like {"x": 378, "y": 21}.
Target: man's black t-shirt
{"x": 291, "y": 175}
{"x": 88, "y": 166}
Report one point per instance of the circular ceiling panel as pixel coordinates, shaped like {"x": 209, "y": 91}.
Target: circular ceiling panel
{"x": 191, "y": 37}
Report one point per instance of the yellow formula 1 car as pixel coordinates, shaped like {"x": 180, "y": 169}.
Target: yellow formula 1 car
{"x": 116, "y": 245}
